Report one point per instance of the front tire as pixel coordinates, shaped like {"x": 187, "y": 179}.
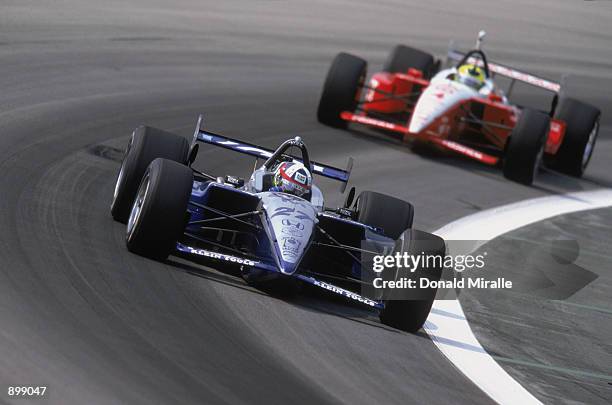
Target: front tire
{"x": 341, "y": 90}
{"x": 395, "y": 217}
{"x": 582, "y": 129}
{"x": 157, "y": 217}
{"x": 525, "y": 147}
{"x": 408, "y": 309}
{"x": 390, "y": 214}
{"x": 145, "y": 145}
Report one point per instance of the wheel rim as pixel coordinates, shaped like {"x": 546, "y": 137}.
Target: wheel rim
{"x": 590, "y": 145}
{"x": 122, "y": 169}
{"x": 134, "y": 218}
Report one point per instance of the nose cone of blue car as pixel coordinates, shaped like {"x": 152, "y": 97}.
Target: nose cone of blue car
{"x": 292, "y": 221}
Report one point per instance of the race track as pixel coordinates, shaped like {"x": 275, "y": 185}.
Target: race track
{"x": 96, "y": 324}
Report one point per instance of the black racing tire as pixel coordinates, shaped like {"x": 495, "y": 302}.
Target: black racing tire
{"x": 145, "y": 145}
{"x": 582, "y": 129}
{"x": 404, "y": 57}
{"x": 390, "y": 214}
{"x": 408, "y": 309}
{"x": 158, "y": 216}
{"x": 342, "y": 89}
{"x": 525, "y": 147}
{"x": 409, "y": 316}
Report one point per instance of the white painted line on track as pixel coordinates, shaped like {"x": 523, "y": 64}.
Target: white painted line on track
{"x": 447, "y": 325}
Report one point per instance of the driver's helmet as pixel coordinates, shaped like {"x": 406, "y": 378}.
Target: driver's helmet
{"x": 471, "y": 75}
{"x": 292, "y": 178}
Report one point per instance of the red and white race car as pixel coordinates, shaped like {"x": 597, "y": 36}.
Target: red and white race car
{"x": 412, "y": 97}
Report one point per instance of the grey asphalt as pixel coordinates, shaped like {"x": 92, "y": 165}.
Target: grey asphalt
{"x": 98, "y": 325}
{"x": 553, "y": 328}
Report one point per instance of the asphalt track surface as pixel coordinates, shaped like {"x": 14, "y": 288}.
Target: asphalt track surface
{"x": 96, "y": 324}
{"x": 553, "y": 327}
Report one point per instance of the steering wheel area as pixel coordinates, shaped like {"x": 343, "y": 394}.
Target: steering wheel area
{"x": 478, "y": 54}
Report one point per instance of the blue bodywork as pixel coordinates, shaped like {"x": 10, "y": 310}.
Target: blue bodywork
{"x": 259, "y": 264}
{"x": 272, "y": 235}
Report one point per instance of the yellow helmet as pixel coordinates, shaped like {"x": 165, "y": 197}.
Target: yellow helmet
{"x": 471, "y": 75}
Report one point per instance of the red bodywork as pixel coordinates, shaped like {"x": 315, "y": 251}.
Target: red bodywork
{"x": 477, "y": 128}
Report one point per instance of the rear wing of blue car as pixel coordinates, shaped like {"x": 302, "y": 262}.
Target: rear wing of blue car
{"x": 201, "y": 135}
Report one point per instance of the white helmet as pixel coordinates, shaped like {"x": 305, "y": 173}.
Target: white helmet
{"x": 293, "y": 178}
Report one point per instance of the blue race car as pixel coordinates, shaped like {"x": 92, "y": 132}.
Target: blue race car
{"x": 273, "y": 237}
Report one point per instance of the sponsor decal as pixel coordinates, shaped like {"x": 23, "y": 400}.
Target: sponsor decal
{"x": 375, "y": 122}
{"x": 293, "y": 228}
{"x": 463, "y": 149}
{"x": 292, "y": 231}
{"x": 300, "y": 178}
{"x": 345, "y": 293}
{"x": 290, "y": 247}
{"x": 218, "y": 256}
{"x": 292, "y": 169}
{"x": 294, "y": 224}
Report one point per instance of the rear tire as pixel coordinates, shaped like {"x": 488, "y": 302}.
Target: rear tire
{"x": 341, "y": 90}
{"x": 145, "y": 145}
{"x": 408, "y": 309}
{"x": 581, "y": 133}
{"x": 525, "y": 147}
{"x": 157, "y": 217}
{"x": 404, "y": 57}
{"x": 390, "y": 214}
